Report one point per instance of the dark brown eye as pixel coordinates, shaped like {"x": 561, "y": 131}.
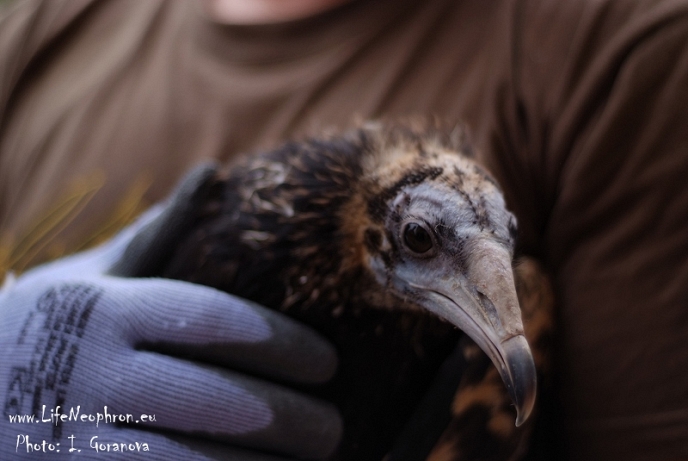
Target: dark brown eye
{"x": 416, "y": 238}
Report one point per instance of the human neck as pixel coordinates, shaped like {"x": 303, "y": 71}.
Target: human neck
{"x": 251, "y": 12}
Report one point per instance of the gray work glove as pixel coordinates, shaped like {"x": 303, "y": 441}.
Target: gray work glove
{"x": 121, "y": 357}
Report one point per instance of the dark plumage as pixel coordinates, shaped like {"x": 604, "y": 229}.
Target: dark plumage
{"x": 385, "y": 240}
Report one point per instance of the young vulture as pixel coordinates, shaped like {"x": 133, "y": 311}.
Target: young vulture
{"x": 386, "y": 240}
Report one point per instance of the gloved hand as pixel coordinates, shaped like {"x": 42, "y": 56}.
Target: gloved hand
{"x": 96, "y": 358}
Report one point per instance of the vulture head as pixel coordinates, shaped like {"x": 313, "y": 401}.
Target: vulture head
{"x": 432, "y": 228}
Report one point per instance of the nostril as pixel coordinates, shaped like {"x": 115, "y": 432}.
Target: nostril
{"x": 490, "y": 311}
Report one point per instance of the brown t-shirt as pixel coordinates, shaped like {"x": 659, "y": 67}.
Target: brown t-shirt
{"x": 580, "y": 108}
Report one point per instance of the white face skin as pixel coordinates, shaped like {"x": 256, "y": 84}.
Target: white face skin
{"x": 457, "y": 239}
{"x": 248, "y": 12}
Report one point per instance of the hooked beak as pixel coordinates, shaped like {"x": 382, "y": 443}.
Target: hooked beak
{"x": 485, "y": 306}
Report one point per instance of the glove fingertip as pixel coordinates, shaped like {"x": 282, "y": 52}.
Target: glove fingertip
{"x": 148, "y": 250}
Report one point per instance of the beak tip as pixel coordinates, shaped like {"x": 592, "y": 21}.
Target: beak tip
{"x": 522, "y": 416}
{"x": 520, "y": 376}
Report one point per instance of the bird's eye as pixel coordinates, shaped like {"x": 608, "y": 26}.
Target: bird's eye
{"x": 416, "y": 238}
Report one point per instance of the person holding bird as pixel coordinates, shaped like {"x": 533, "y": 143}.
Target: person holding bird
{"x": 575, "y": 111}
